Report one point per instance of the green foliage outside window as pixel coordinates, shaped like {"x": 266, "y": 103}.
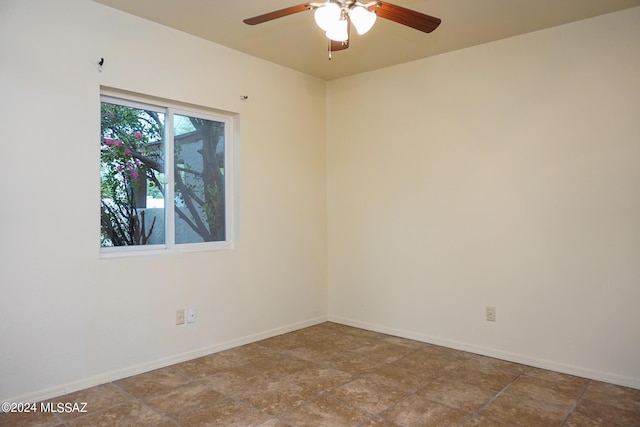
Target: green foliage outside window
{"x": 132, "y": 170}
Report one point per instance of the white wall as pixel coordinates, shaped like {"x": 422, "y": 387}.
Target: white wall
{"x": 506, "y": 175}
{"x": 71, "y": 320}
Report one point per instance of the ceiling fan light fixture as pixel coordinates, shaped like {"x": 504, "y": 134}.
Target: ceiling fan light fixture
{"x": 339, "y": 31}
{"x": 362, "y": 19}
{"x": 334, "y": 17}
{"x": 327, "y": 16}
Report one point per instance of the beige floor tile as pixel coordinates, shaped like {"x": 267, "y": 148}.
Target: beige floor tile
{"x": 132, "y": 414}
{"x": 482, "y": 362}
{"x": 457, "y": 394}
{"x": 450, "y": 353}
{"x": 562, "y": 380}
{"x": 274, "y": 422}
{"x": 356, "y": 332}
{"x": 224, "y": 412}
{"x": 280, "y": 342}
{"x": 401, "y": 379}
{"x": 319, "y": 379}
{"x": 276, "y": 396}
{"x": 315, "y": 353}
{"x": 615, "y": 390}
{"x": 151, "y": 383}
{"x": 347, "y": 342}
{"x": 379, "y": 422}
{"x": 367, "y": 395}
{"x": 204, "y": 366}
{"x": 182, "y": 399}
{"x": 96, "y": 399}
{"x": 235, "y": 380}
{"x": 353, "y": 343}
{"x": 320, "y": 333}
{"x": 279, "y": 365}
{"x": 482, "y": 421}
{"x": 561, "y": 393}
{"x": 579, "y": 420}
{"x": 483, "y": 376}
{"x": 353, "y": 363}
{"x": 418, "y": 411}
{"x": 29, "y": 419}
{"x": 384, "y": 351}
{"x": 522, "y": 411}
{"x": 432, "y": 364}
{"x": 244, "y": 354}
{"x": 609, "y": 410}
{"x": 405, "y": 342}
{"x": 325, "y": 411}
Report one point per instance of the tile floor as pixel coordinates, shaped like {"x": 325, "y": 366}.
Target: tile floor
{"x": 335, "y": 375}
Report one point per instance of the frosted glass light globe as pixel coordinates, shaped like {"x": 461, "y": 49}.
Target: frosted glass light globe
{"x": 362, "y": 19}
{"x": 326, "y": 16}
{"x": 338, "y": 32}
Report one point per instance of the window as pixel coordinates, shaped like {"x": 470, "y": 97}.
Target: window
{"x": 138, "y": 177}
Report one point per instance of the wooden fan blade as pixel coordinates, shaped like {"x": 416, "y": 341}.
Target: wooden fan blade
{"x": 335, "y": 46}
{"x": 404, "y": 16}
{"x": 278, "y": 14}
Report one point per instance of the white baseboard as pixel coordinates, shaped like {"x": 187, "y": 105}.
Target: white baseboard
{"x": 118, "y": 374}
{"x": 495, "y": 353}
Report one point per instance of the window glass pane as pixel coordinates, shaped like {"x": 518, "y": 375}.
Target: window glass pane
{"x": 132, "y": 176}
{"x": 199, "y": 147}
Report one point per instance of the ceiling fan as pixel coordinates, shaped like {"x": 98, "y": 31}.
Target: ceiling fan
{"x": 336, "y": 16}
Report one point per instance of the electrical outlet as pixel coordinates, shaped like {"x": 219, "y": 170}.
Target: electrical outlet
{"x": 491, "y": 314}
{"x": 191, "y": 314}
{"x": 180, "y": 317}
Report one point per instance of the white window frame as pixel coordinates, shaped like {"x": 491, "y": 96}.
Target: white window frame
{"x": 170, "y": 108}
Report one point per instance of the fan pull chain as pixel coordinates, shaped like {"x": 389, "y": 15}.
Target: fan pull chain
{"x": 329, "y": 49}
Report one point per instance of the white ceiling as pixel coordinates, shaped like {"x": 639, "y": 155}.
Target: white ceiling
{"x": 296, "y": 42}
